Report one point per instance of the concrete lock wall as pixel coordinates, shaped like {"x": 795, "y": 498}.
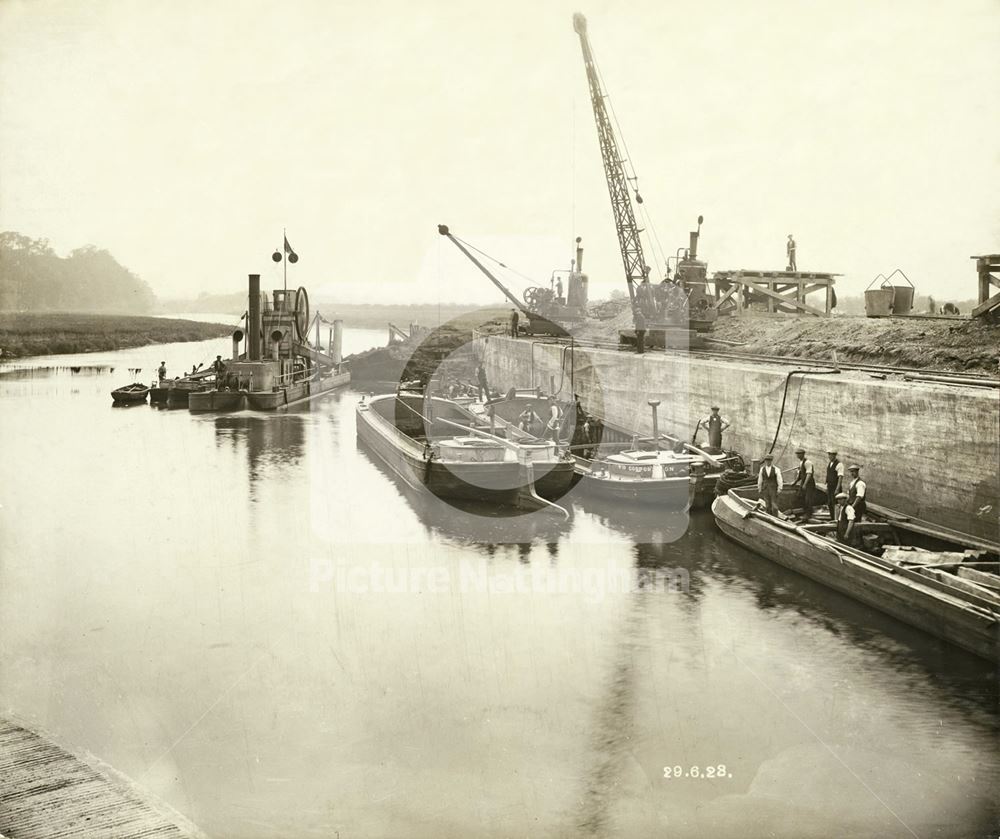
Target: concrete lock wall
{"x": 928, "y": 450}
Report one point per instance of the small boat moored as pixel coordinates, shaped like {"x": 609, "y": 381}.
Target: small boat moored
{"x": 133, "y": 394}
{"x": 943, "y": 582}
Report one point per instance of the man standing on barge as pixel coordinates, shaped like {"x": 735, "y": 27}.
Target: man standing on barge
{"x": 857, "y": 493}
{"x": 834, "y": 483}
{"x": 714, "y": 424}
{"x": 805, "y": 480}
{"x": 769, "y": 484}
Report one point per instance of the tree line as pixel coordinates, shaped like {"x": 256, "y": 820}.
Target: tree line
{"x": 33, "y": 277}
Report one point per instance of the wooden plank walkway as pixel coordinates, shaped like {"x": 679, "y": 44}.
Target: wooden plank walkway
{"x": 47, "y": 792}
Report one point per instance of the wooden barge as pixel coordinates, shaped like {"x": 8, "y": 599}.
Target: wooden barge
{"x": 437, "y": 445}
{"x": 943, "y": 582}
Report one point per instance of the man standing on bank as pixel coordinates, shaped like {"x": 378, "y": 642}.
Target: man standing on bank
{"x": 769, "y": 484}
{"x": 790, "y": 250}
{"x": 640, "y": 331}
{"x": 714, "y": 424}
{"x": 513, "y": 323}
{"x": 805, "y": 480}
{"x": 834, "y": 483}
{"x": 857, "y": 493}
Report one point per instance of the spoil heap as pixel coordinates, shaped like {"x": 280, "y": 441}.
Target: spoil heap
{"x": 959, "y": 344}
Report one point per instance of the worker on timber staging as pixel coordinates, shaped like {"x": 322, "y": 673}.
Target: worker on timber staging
{"x": 714, "y": 424}
{"x": 769, "y": 484}
{"x": 805, "y": 480}
{"x": 845, "y": 518}
{"x": 161, "y": 373}
{"x": 640, "y": 331}
{"x": 527, "y": 418}
{"x": 790, "y": 250}
{"x": 834, "y": 483}
{"x": 513, "y": 323}
{"x": 857, "y": 493}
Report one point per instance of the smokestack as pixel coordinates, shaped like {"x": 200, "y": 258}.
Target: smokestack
{"x": 338, "y": 340}
{"x": 653, "y": 403}
{"x": 579, "y": 255}
{"x": 237, "y": 337}
{"x": 253, "y": 319}
{"x": 693, "y": 250}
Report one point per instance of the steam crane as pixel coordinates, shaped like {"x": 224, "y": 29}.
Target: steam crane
{"x": 671, "y": 308}
{"x": 546, "y": 312}
{"x": 614, "y": 170}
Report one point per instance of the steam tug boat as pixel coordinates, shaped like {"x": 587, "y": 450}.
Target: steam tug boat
{"x": 279, "y": 366}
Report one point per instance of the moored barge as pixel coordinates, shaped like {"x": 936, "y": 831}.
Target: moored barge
{"x": 942, "y": 582}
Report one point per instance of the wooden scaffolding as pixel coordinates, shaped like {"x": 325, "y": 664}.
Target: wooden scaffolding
{"x": 988, "y": 268}
{"x": 783, "y": 291}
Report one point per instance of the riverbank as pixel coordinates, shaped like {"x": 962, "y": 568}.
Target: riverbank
{"x": 48, "y": 333}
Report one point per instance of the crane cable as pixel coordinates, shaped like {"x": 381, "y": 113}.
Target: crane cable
{"x": 497, "y": 261}
{"x": 628, "y": 161}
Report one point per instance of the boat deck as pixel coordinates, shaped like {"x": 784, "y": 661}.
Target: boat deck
{"x": 47, "y": 792}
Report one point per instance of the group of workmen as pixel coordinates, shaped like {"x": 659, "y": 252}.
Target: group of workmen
{"x": 219, "y": 366}
{"x": 846, "y": 504}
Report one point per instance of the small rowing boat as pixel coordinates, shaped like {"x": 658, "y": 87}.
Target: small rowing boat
{"x": 941, "y": 581}
{"x": 133, "y": 394}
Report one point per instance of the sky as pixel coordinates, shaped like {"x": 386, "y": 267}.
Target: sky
{"x": 184, "y": 136}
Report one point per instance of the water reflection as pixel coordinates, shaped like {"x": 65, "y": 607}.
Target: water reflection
{"x": 163, "y": 619}
{"x": 269, "y": 441}
{"x": 475, "y": 525}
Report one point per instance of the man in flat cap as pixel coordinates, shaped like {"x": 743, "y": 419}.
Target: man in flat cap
{"x": 845, "y": 519}
{"x": 714, "y": 424}
{"x": 805, "y": 480}
{"x": 857, "y": 493}
{"x": 834, "y": 482}
{"x": 769, "y": 484}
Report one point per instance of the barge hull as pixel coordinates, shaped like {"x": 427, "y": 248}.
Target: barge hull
{"x": 934, "y": 612}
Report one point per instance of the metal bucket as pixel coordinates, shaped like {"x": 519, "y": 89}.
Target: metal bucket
{"x": 879, "y": 302}
{"x": 902, "y": 302}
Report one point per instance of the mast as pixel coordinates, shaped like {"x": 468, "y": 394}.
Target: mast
{"x": 614, "y": 169}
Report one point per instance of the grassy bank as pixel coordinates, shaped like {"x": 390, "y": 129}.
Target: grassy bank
{"x": 25, "y": 334}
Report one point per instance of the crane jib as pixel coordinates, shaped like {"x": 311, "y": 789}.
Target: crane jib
{"x": 614, "y": 171}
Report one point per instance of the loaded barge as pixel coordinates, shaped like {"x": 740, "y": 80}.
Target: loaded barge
{"x": 437, "y": 444}
{"x": 943, "y": 582}
{"x": 279, "y": 366}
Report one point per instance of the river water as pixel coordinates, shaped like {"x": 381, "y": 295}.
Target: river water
{"x": 255, "y": 622}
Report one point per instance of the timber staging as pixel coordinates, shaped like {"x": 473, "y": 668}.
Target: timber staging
{"x": 47, "y": 792}
{"x": 929, "y": 449}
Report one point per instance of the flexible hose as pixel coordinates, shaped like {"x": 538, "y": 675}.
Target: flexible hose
{"x": 784, "y": 397}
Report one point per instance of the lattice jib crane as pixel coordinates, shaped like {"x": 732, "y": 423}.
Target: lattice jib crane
{"x": 614, "y": 170}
